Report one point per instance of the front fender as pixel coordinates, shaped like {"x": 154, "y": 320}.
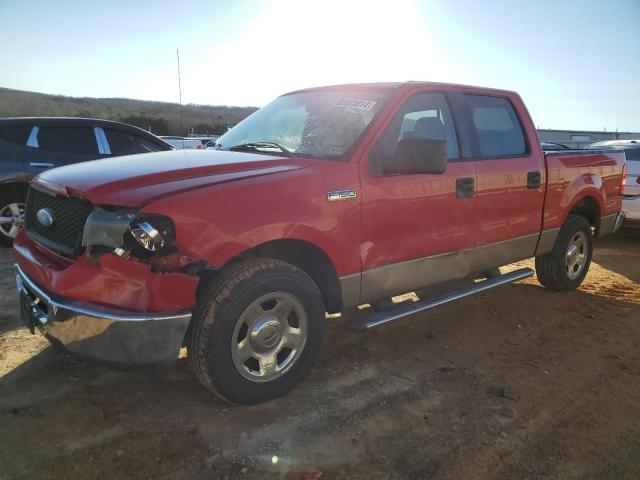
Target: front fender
{"x": 218, "y": 223}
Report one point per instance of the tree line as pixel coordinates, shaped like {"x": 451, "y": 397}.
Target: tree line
{"x": 160, "y": 118}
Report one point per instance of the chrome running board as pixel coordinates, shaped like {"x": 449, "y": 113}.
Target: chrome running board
{"x": 405, "y": 309}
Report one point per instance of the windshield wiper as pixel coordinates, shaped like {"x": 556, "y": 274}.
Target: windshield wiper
{"x": 259, "y": 146}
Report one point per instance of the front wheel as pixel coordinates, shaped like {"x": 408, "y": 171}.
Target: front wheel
{"x": 566, "y": 266}
{"x": 11, "y": 215}
{"x": 256, "y": 330}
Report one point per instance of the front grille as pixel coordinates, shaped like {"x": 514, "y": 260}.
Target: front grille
{"x": 69, "y": 214}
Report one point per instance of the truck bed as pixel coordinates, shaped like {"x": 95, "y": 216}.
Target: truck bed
{"x": 578, "y": 175}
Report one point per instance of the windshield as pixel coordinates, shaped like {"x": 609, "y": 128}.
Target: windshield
{"x": 324, "y": 123}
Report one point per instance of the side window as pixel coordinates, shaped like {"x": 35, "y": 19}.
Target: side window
{"x": 425, "y": 115}
{"x": 17, "y": 134}
{"x": 633, "y": 154}
{"x": 127, "y": 143}
{"x": 80, "y": 140}
{"x": 497, "y": 126}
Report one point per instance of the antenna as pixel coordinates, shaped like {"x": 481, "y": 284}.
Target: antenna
{"x": 180, "y": 92}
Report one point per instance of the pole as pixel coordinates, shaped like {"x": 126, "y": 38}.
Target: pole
{"x": 180, "y": 93}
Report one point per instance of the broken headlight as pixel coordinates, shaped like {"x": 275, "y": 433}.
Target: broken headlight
{"x": 127, "y": 232}
{"x": 148, "y": 235}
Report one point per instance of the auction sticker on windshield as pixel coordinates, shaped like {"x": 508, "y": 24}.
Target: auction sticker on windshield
{"x": 355, "y": 103}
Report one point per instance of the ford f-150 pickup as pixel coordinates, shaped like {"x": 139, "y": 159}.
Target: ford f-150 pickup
{"x": 325, "y": 200}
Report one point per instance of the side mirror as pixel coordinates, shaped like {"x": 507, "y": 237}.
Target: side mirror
{"x": 416, "y": 156}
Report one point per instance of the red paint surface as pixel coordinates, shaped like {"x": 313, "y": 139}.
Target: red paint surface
{"x": 506, "y": 208}
{"x": 572, "y": 178}
{"x": 111, "y": 281}
{"x": 224, "y": 203}
{"x": 135, "y": 180}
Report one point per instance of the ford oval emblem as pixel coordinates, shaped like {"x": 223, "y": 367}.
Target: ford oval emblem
{"x": 45, "y": 217}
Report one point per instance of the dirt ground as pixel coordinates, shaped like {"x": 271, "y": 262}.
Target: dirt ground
{"x": 420, "y": 398}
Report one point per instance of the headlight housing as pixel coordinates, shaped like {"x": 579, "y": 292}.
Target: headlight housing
{"x": 148, "y": 235}
{"x": 128, "y": 232}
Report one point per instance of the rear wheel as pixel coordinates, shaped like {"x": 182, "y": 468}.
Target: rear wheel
{"x": 566, "y": 266}
{"x": 11, "y": 215}
{"x": 257, "y": 329}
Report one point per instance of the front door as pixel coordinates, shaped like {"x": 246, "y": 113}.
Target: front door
{"x": 418, "y": 229}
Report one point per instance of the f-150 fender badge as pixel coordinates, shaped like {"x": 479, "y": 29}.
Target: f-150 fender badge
{"x": 341, "y": 195}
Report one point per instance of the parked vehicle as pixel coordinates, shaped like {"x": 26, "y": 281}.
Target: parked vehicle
{"x": 323, "y": 200}
{"x": 631, "y": 196}
{"x": 29, "y": 146}
{"x": 206, "y": 140}
{"x": 184, "y": 143}
{"x": 546, "y": 146}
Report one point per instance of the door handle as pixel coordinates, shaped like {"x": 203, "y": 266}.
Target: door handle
{"x": 41, "y": 164}
{"x": 534, "y": 179}
{"x": 465, "y": 187}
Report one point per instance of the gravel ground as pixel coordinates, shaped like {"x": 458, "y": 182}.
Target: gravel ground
{"x": 422, "y": 398}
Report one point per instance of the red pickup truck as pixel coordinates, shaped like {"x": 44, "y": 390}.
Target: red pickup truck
{"x": 324, "y": 200}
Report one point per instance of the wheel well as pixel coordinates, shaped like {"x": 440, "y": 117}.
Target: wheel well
{"x": 587, "y": 207}
{"x": 308, "y": 258}
{"x": 14, "y": 187}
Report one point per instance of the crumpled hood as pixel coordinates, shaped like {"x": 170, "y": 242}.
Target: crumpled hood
{"x": 135, "y": 180}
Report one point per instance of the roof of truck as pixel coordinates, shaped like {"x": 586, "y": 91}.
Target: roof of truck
{"x": 395, "y": 85}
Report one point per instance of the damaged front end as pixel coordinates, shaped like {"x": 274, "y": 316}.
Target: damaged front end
{"x": 124, "y": 294}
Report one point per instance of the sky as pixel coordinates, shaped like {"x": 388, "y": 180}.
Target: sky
{"x": 575, "y": 63}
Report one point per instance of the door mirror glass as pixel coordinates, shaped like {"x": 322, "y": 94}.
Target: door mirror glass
{"x": 416, "y": 156}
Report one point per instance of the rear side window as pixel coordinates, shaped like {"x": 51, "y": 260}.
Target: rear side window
{"x": 126, "y": 143}
{"x": 497, "y": 126}
{"x": 17, "y": 134}
{"x": 79, "y": 140}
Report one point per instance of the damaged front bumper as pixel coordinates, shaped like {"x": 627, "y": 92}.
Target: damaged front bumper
{"x": 110, "y": 309}
{"x": 99, "y": 332}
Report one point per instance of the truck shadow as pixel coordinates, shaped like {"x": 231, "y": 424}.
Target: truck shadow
{"x": 423, "y": 381}
{"x": 620, "y": 253}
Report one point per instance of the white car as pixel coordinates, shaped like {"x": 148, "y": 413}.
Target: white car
{"x": 207, "y": 140}
{"x": 183, "y": 142}
{"x": 631, "y": 198}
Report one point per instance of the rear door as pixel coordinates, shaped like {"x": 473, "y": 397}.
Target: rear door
{"x": 418, "y": 229}
{"x": 510, "y": 179}
{"x": 52, "y": 146}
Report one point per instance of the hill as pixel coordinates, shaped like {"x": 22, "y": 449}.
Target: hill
{"x": 162, "y": 118}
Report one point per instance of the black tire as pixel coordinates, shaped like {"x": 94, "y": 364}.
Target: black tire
{"x": 492, "y": 273}
{"x": 10, "y": 195}
{"x": 551, "y": 269}
{"x": 382, "y": 305}
{"x": 221, "y": 303}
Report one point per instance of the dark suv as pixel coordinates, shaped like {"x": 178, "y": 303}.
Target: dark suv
{"x": 29, "y": 146}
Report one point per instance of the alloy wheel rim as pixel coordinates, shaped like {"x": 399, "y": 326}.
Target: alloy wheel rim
{"x": 576, "y": 255}
{"x": 11, "y": 219}
{"x": 269, "y": 336}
